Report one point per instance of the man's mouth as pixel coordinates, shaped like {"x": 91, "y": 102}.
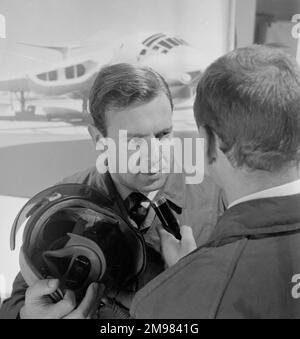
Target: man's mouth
{"x": 153, "y": 176}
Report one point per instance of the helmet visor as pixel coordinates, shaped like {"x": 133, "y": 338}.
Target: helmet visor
{"x": 49, "y": 196}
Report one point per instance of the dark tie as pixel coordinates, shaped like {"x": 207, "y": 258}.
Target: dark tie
{"x": 136, "y": 211}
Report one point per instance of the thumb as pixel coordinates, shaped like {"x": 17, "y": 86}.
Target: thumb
{"x": 188, "y": 241}
{"x": 42, "y": 288}
{"x": 64, "y": 306}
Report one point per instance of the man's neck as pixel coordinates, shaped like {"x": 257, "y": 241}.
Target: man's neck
{"x": 246, "y": 183}
{"x": 123, "y": 190}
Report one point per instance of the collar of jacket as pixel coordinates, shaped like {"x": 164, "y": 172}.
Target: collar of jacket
{"x": 258, "y": 218}
{"x": 174, "y": 189}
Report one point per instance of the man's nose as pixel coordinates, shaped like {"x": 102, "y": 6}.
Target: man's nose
{"x": 155, "y": 156}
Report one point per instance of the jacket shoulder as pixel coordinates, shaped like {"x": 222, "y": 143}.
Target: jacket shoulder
{"x": 85, "y": 177}
{"x": 193, "y": 288}
{"x": 11, "y": 306}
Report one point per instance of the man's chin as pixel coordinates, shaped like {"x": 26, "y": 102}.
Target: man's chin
{"x": 151, "y": 182}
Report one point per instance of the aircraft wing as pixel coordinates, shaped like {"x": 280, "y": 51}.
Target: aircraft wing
{"x": 21, "y": 64}
{"x": 16, "y": 62}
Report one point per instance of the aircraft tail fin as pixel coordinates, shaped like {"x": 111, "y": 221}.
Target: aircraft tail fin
{"x": 64, "y": 50}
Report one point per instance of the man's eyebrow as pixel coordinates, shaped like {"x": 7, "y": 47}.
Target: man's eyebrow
{"x": 137, "y": 135}
{"x": 165, "y": 130}
{"x": 140, "y": 135}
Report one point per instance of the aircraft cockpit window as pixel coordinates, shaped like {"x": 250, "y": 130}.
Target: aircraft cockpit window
{"x": 180, "y": 41}
{"x": 69, "y": 71}
{"x": 173, "y": 42}
{"x": 72, "y": 72}
{"x": 80, "y": 70}
{"x": 149, "y": 41}
{"x": 49, "y": 76}
{"x": 52, "y": 76}
{"x": 42, "y": 76}
{"x": 183, "y": 42}
{"x": 162, "y": 43}
{"x": 165, "y": 44}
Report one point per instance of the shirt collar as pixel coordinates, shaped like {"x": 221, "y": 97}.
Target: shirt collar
{"x": 174, "y": 190}
{"x": 123, "y": 190}
{"x": 291, "y": 188}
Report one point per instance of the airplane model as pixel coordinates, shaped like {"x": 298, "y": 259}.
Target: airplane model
{"x": 76, "y": 69}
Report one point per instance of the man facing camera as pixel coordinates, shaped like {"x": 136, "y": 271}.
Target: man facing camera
{"x": 247, "y": 107}
{"x": 137, "y": 102}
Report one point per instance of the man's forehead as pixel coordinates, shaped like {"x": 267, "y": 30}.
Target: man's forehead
{"x": 142, "y": 119}
{"x": 160, "y": 102}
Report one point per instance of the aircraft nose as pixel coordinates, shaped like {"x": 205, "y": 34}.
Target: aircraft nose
{"x": 189, "y": 59}
{"x": 185, "y": 78}
{"x": 182, "y": 64}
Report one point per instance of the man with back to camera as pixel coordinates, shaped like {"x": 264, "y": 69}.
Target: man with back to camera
{"x": 138, "y": 100}
{"x": 248, "y": 108}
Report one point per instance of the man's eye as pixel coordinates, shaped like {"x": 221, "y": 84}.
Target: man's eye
{"x": 135, "y": 140}
{"x": 163, "y": 135}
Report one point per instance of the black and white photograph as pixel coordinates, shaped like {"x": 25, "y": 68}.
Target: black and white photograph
{"x": 149, "y": 162}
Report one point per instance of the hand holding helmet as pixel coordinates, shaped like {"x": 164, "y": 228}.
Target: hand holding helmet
{"x": 73, "y": 235}
{"x": 38, "y": 305}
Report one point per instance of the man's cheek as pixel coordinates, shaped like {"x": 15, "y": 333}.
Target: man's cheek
{"x": 127, "y": 160}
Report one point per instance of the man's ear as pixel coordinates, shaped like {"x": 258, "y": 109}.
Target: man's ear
{"x": 95, "y": 134}
{"x": 218, "y": 148}
{"x": 210, "y": 143}
{"x": 226, "y": 159}
{"x": 218, "y": 143}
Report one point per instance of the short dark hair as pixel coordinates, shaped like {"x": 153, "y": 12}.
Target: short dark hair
{"x": 250, "y": 99}
{"x": 120, "y": 85}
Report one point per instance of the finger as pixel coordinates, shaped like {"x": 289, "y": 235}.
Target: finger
{"x": 89, "y": 301}
{"x": 42, "y": 288}
{"x": 186, "y": 232}
{"x": 188, "y": 240}
{"x": 64, "y": 306}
